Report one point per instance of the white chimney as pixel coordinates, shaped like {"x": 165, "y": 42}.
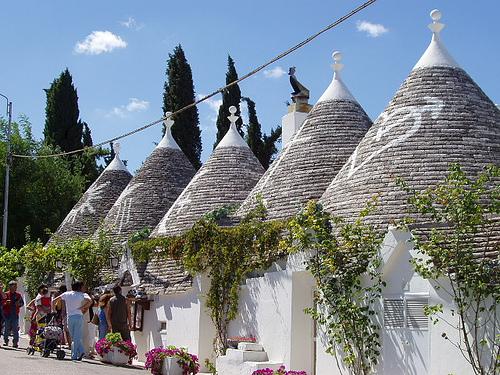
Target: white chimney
{"x": 293, "y": 120}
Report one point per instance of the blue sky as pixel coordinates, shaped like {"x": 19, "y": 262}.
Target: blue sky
{"x": 121, "y": 87}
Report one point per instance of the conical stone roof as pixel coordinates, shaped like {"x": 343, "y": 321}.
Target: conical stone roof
{"x": 151, "y": 192}
{"x": 306, "y": 166}
{"x": 225, "y": 179}
{"x": 88, "y": 212}
{"x": 438, "y": 116}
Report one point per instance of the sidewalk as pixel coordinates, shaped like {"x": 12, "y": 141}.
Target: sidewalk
{"x": 17, "y": 362}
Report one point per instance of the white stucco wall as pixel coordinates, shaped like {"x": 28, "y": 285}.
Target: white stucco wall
{"x": 442, "y": 356}
{"x": 187, "y": 324}
{"x": 272, "y": 309}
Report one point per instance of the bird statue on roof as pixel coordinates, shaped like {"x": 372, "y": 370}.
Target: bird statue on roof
{"x": 300, "y": 92}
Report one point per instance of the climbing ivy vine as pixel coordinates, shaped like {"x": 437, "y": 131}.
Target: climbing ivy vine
{"x": 345, "y": 264}
{"x": 225, "y": 254}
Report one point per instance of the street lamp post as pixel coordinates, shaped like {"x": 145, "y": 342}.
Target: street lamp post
{"x": 7, "y": 174}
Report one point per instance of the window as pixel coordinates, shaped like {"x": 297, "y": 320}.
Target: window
{"x": 406, "y": 312}
{"x": 163, "y": 326}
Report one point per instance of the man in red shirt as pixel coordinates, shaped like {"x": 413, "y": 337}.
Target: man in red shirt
{"x": 12, "y": 302}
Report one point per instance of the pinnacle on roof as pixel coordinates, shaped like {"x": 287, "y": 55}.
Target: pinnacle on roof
{"x": 337, "y": 88}
{"x": 225, "y": 179}
{"x": 438, "y": 116}
{"x": 117, "y": 164}
{"x": 436, "y": 54}
{"x": 168, "y": 140}
{"x": 232, "y": 137}
{"x": 309, "y": 162}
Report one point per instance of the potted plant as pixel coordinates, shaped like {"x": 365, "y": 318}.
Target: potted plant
{"x": 113, "y": 349}
{"x": 171, "y": 361}
{"x": 280, "y": 371}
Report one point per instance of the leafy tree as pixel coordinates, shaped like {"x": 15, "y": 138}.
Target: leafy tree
{"x": 62, "y": 125}
{"x": 263, "y": 146}
{"x": 64, "y": 129}
{"x": 231, "y": 96}
{"x": 459, "y": 255}
{"x": 42, "y": 190}
{"x": 179, "y": 92}
{"x": 343, "y": 255}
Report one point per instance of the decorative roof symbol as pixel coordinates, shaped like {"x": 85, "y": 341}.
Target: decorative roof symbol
{"x": 232, "y": 137}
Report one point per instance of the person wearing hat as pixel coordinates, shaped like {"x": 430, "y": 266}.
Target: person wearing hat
{"x": 12, "y": 303}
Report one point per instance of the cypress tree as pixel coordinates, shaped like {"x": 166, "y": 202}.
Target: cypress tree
{"x": 262, "y": 145}
{"x": 254, "y": 132}
{"x": 179, "y": 92}
{"x": 230, "y": 96}
{"x": 62, "y": 126}
{"x": 65, "y": 130}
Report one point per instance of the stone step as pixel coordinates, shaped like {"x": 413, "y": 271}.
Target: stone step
{"x": 250, "y": 346}
{"x": 240, "y": 356}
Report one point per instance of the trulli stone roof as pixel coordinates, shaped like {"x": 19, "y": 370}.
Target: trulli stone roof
{"x": 151, "y": 192}
{"x": 225, "y": 179}
{"x": 438, "y": 116}
{"x": 306, "y": 166}
{"x": 88, "y": 212}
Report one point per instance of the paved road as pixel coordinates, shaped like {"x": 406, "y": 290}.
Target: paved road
{"x": 17, "y": 362}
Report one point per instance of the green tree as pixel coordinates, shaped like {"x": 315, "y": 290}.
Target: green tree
{"x": 179, "y": 92}
{"x": 459, "y": 255}
{"x": 262, "y": 145}
{"x": 231, "y": 96}
{"x": 63, "y": 127}
{"x": 42, "y": 190}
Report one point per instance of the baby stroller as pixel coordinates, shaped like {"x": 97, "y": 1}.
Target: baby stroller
{"x": 48, "y": 338}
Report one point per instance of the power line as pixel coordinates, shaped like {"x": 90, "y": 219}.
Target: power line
{"x": 220, "y": 90}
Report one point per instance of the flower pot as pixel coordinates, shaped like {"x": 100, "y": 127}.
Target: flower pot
{"x": 116, "y": 357}
{"x": 171, "y": 367}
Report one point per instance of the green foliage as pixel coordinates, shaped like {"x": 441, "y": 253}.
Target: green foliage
{"x": 42, "y": 191}
{"x": 85, "y": 259}
{"x": 226, "y": 255}
{"x": 231, "y": 96}
{"x": 39, "y": 264}
{"x": 179, "y": 92}
{"x": 63, "y": 128}
{"x": 461, "y": 248}
{"x": 11, "y": 265}
{"x": 263, "y": 146}
{"x": 345, "y": 265}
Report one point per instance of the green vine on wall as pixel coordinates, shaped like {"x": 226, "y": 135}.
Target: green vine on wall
{"x": 227, "y": 255}
{"x": 345, "y": 265}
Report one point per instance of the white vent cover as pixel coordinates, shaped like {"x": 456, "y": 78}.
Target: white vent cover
{"x": 394, "y": 313}
{"x": 415, "y": 316}
{"x": 406, "y": 312}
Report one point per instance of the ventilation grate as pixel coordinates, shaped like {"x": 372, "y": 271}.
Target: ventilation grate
{"x": 415, "y": 316}
{"x": 393, "y": 313}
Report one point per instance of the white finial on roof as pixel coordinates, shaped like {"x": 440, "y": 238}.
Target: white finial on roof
{"x": 232, "y": 137}
{"x": 116, "y": 164}
{"x": 168, "y": 140}
{"x": 436, "y": 54}
{"x": 337, "y": 89}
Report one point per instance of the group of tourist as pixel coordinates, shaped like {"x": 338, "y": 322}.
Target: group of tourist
{"x": 75, "y": 311}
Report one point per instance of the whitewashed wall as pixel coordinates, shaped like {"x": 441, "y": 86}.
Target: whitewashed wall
{"x": 272, "y": 309}
{"x": 407, "y": 356}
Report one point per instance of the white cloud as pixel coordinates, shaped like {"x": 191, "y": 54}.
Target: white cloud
{"x": 131, "y": 23}
{"x": 214, "y": 105}
{"x": 276, "y": 72}
{"x": 373, "y": 30}
{"x": 134, "y": 105}
{"x": 98, "y": 42}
